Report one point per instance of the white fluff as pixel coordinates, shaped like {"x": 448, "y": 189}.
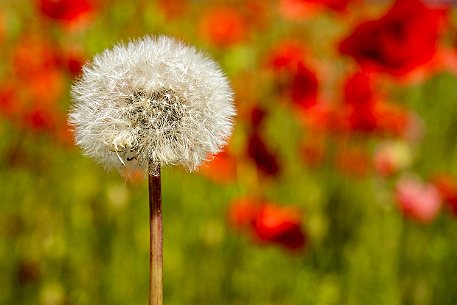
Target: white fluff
{"x": 154, "y": 99}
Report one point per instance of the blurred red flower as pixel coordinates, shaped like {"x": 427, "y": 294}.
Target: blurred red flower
{"x": 46, "y": 87}
{"x": 417, "y": 200}
{"x": 243, "y": 212}
{"x": 39, "y": 119}
{"x": 256, "y": 116}
{"x": 73, "y": 62}
{"x": 35, "y": 58}
{"x": 223, "y": 26}
{"x": 69, "y": 12}
{"x": 303, "y": 88}
{"x": 360, "y": 100}
{"x": 286, "y": 56}
{"x": 300, "y": 9}
{"x": 447, "y": 186}
{"x": 36, "y": 64}
{"x": 294, "y": 78}
{"x": 265, "y": 160}
{"x": 33, "y": 55}
{"x": 366, "y": 112}
{"x": 281, "y": 225}
{"x": 31, "y": 96}
{"x": 400, "y": 41}
{"x": 269, "y": 223}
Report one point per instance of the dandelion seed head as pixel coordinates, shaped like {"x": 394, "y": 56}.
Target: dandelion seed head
{"x": 152, "y": 101}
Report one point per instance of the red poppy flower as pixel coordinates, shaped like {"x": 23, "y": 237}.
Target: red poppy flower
{"x": 294, "y": 78}
{"x": 297, "y": 10}
{"x": 223, "y": 26}
{"x": 360, "y": 100}
{"x": 265, "y": 160}
{"x": 26, "y": 111}
{"x": 30, "y": 99}
{"x": 447, "y": 186}
{"x": 286, "y": 56}
{"x": 269, "y": 223}
{"x": 257, "y": 150}
{"x": 37, "y": 65}
{"x": 398, "y": 42}
{"x": 364, "y": 111}
{"x": 69, "y": 12}
{"x": 243, "y": 212}
{"x": 304, "y": 87}
{"x": 47, "y": 87}
{"x": 358, "y": 90}
{"x": 39, "y": 120}
{"x": 257, "y": 116}
{"x": 280, "y": 225}
{"x": 417, "y": 200}
{"x": 33, "y": 56}
{"x": 73, "y": 62}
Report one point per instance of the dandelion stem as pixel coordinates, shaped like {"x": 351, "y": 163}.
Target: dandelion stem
{"x": 155, "y": 225}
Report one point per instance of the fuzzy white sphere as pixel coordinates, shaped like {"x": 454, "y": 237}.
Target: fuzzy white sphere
{"x": 152, "y": 102}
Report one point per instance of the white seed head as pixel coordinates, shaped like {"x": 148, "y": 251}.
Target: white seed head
{"x": 152, "y": 101}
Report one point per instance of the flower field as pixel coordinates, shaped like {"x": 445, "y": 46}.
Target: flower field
{"x": 338, "y": 185}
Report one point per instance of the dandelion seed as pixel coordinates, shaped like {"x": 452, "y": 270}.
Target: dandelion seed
{"x": 153, "y": 101}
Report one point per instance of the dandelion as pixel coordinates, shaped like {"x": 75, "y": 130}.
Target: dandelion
{"x": 148, "y": 103}
{"x": 154, "y": 101}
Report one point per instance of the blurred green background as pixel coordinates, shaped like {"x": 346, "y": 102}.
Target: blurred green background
{"x": 71, "y": 233}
